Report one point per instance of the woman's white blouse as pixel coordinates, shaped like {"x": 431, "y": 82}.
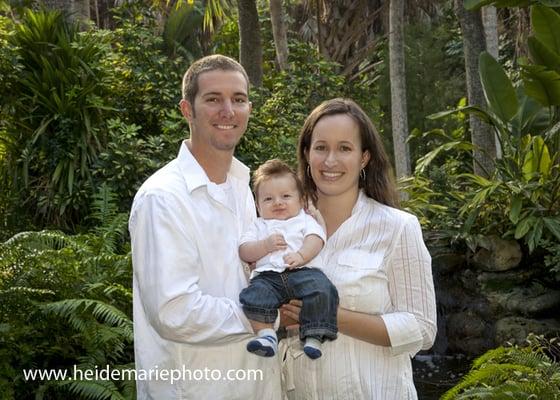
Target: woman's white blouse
{"x": 380, "y": 265}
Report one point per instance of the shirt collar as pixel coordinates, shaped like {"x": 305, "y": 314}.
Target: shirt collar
{"x": 362, "y": 199}
{"x": 195, "y": 176}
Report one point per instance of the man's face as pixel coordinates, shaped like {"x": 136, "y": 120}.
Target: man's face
{"x": 220, "y": 113}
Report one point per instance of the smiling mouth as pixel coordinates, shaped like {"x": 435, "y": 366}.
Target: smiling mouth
{"x": 225, "y": 127}
{"x": 331, "y": 175}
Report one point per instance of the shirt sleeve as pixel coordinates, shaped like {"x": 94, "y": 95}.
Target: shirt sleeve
{"x": 412, "y": 327}
{"x": 312, "y": 227}
{"x": 167, "y": 268}
{"x": 250, "y": 235}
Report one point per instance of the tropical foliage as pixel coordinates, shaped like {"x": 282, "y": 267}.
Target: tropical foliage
{"x": 65, "y": 303}
{"x": 87, "y": 114}
{"x": 528, "y": 372}
{"x": 522, "y": 199}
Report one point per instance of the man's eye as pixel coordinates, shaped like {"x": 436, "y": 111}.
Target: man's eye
{"x": 240, "y": 100}
{"x": 211, "y": 100}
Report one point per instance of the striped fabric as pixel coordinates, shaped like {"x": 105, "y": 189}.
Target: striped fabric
{"x": 380, "y": 265}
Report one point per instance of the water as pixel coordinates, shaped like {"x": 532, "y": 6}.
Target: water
{"x": 435, "y": 374}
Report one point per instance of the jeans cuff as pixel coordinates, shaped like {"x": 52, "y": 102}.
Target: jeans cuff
{"x": 321, "y": 332}
{"x": 261, "y": 314}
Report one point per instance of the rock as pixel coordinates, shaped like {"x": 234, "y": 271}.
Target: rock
{"x": 532, "y": 301}
{"x": 468, "y": 333}
{"x": 515, "y": 329}
{"x": 506, "y": 279}
{"x": 496, "y": 254}
{"x": 447, "y": 263}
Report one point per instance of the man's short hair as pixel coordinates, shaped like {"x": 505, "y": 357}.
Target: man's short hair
{"x": 274, "y": 168}
{"x": 207, "y": 64}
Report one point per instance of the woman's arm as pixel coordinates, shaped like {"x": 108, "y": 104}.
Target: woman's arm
{"x": 366, "y": 327}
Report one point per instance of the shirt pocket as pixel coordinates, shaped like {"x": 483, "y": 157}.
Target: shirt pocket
{"x": 361, "y": 281}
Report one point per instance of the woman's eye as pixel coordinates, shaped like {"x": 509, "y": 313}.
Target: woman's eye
{"x": 319, "y": 148}
{"x": 346, "y": 148}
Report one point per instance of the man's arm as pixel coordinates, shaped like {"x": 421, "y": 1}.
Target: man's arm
{"x": 167, "y": 273}
{"x": 255, "y": 250}
{"x": 312, "y": 245}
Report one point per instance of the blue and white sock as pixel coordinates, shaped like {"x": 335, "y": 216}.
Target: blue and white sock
{"x": 312, "y": 348}
{"x": 265, "y": 345}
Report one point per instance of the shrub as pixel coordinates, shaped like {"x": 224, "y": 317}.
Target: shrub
{"x": 64, "y": 301}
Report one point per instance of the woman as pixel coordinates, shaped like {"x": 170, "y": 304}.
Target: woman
{"x": 374, "y": 255}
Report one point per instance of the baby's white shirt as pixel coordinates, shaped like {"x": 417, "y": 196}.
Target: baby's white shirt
{"x": 294, "y": 230}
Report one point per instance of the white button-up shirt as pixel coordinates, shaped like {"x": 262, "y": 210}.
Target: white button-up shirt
{"x": 187, "y": 279}
{"x": 380, "y": 265}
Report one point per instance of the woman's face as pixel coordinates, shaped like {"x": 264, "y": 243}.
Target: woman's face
{"x": 335, "y": 155}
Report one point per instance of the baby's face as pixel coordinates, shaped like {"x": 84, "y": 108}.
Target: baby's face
{"x": 278, "y": 198}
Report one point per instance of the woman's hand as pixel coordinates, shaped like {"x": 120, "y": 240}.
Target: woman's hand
{"x": 289, "y": 314}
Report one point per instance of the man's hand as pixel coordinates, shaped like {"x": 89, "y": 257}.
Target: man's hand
{"x": 293, "y": 260}
{"x": 275, "y": 242}
{"x": 289, "y": 314}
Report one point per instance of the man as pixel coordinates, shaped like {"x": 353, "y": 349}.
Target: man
{"x": 185, "y": 223}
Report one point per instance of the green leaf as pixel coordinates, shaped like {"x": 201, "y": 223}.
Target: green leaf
{"x": 477, "y": 111}
{"x": 529, "y": 115}
{"x": 515, "y": 209}
{"x": 476, "y": 4}
{"x": 524, "y": 226}
{"x": 542, "y": 85}
{"x": 423, "y": 162}
{"x": 537, "y": 161}
{"x": 498, "y": 89}
{"x": 535, "y": 235}
{"x": 542, "y": 54}
{"x": 546, "y": 25}
{"x": 550, "y": 3}
{"x": 553, "y": 225}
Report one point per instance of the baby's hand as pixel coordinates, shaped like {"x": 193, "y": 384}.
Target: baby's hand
{"x": 293, "y": 260}
{"x": 275, "y": 242}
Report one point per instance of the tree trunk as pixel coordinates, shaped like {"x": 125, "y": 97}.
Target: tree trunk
{"x": 398, "y": 88}
{"x": 250, "y": 48}
{"x": 490, "y": 22}
{"x": 81, "y": 12}
{"x": 474, "y": 43}
{"x": 279, "y": 33}
{"x": 59, "y": 5}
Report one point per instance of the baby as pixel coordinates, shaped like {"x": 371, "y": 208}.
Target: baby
{"x": 284, "y": 242}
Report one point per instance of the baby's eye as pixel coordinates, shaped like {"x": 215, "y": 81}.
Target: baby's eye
{"x": 267, "y": 199}
{"x": 287, "y": 196}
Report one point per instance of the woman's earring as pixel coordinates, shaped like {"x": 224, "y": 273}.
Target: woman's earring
{"x": 308, "y": 170}
{"x": 363, "y": 174}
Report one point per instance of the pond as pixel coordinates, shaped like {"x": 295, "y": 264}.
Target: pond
{"x": 434, "y": 374}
